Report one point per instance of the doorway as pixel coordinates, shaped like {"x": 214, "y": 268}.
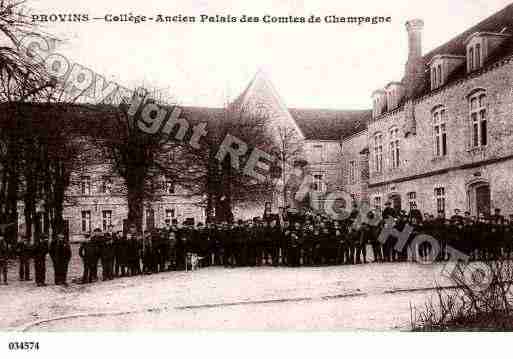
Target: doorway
{"x": 479, "y": 197}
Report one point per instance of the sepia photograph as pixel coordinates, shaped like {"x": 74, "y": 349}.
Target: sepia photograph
{"x": 274, "y": 166}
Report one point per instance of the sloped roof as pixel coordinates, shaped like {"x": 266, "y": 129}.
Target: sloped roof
{"x": 495, "y": 23}
{"x": 501, "y": 21}
{"x": 325, "y": 124}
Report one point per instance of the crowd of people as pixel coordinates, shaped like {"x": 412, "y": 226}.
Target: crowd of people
{"x": 293, "y": 240}
{"x": 59, "y": 250}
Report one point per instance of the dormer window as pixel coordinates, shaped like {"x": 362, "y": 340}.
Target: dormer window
{"x": 480, "y": 45}
{"x": 478, "y": 55}
{"x": 471, "y": 59}
{"x": 474, "y": 57}
{"x": 436, "y": 76}
{"x": 394, "y": 93}
{"x": 379, "y": 102}
{"x": 441, "y": 68}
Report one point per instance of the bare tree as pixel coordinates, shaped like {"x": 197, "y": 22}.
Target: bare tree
{"x": 287, "y": 150}
{"x": 21, "y": 80}
{"x": 229, "y": 187}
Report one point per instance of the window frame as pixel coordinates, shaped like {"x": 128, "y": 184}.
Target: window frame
{"x": 478, "y": 119}
{"x": 377, "y": 203}
{"x": 168, "y": 187}
{"x": 439, "y": 123}
{"x": 478, "y": 56}
{"x": 412, "y": 199}
{"x": 172, "y": 212}
{"x": 394, "y": 148}
{"x": 318, "y": 152}
{"x": 471, "y": 58}
{"x": 318, "y": 182}
{"x": 86, "y": 219}
{"x": 353, "y": 172}
{"x": 378, "y": 152}
{"x": 85, "y": 185}
{"x": 440, "y": 199}
{"x": 106, "y": 220}
{"x": 106, "y": 186}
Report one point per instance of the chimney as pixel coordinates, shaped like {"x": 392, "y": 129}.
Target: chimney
{"x": 414, "y": 71}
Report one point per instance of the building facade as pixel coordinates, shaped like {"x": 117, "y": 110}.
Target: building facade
{"x": 440, "y": 139}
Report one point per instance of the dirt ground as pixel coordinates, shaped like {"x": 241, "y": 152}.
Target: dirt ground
{"x": 371, "y": 297}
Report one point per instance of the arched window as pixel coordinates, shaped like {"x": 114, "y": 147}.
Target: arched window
{"x": 394, "y": 147}
{"x": 378, "y": 152}
{"x": 478, "y": 119}
{"x": 439, "y": 131}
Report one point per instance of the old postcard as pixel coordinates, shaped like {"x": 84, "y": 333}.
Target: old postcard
{"x": 287, "y": 165}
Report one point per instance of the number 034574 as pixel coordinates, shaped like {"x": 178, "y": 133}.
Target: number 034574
{"x": 23, "y": 345}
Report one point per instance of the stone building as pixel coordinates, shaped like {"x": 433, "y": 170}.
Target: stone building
{"x": 355, "y": 165}
{"x": 310, "y": 135}
{"x": 441, "y": 137}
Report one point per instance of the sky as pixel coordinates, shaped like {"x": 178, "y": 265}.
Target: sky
{"x": 311, "y": 65}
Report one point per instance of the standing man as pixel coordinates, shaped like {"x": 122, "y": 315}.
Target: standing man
{"x": 388, "y": 211}
{"x": 60, "y": 252}
{"x": 3, "y": 258}
{"x": 85, "y": 253}
{"x": 133, "y": 251}
{"x": 96, "y": 244}
{"x": 107, "y": 256}
{"x": 294, "y": 250}
{"x": 120, "y": 249}
{"x": 40, "y": 252}
{"x": 24, "y": 252}
{"x": 440, "y": 234}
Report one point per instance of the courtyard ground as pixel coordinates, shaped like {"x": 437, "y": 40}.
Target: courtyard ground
{"x": 367, "y": 296}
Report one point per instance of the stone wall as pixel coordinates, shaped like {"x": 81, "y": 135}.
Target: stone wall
{"x": 420, "y": 169}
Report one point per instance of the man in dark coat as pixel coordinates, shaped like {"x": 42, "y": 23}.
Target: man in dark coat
{"x": 3, "y": 258}
{"x": 134, "y": 253}
{"x": 60, "y": 253}
{"x": 86, "y": 253}
{"x": 24, "y": 251}
{"x": 40, "y": 252}
{"x": 353, "y": 241}
{"x": 365, "y": 238}
{"x": 388, "y": 211}
{"x": 163, "y": 249}
{"x": 294, "y": 251}
{"x": 172, "y": 241}
{"x": 108, "y": 254}
{"x": 96, "y": 243}
{"x": 120, "y": 250}
{"x": 148, "y": 256}
{"x": 284, "y": 246}
{"x": 251, "y": 243}
{"x": 275, "y": 241}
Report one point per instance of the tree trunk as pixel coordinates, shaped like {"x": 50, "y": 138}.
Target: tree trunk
{"x": 58, "y": 197}
{"x": 135, "y": 190}
{"x": 12, "y": 186}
